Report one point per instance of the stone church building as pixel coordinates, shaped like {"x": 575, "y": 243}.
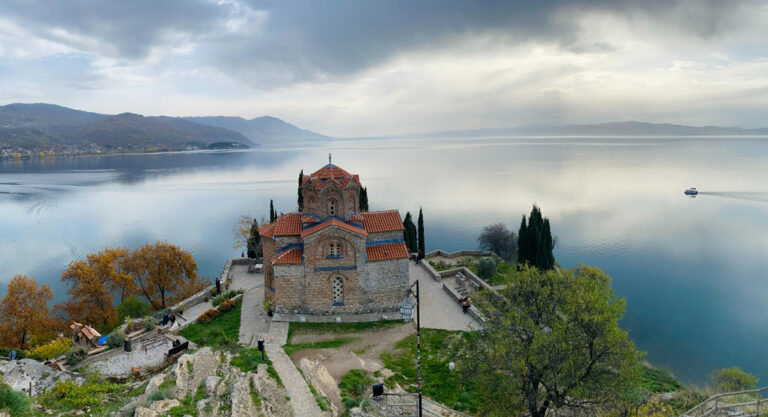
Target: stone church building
{"x": 330, "y": 257}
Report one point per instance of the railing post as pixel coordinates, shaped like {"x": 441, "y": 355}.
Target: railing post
{"x": 757, "y": 408}
{"x": 717, "y": 400}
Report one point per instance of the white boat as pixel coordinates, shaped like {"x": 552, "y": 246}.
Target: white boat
{"x": 691, "y": 191}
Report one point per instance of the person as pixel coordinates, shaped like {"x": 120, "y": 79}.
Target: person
{"x": 173, "y": 319}
{"x": 165, "y": 318}
{"x": 467, "y": 304}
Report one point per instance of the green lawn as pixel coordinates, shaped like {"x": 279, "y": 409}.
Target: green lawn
{"x": 504, "y": 270}
{"x": 248, "y": 360}
{"x": 302, "y": 328}
{"x": 438, "y": 348}
{"x": 223, "y": 331}
{"x": 290, "y": 349}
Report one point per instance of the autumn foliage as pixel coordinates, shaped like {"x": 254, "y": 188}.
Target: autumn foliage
{"x": 24, "y": 312}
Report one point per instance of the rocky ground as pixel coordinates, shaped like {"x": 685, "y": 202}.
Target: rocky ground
{"x": 207, "y": 383}
{"x": 22, "y": 374}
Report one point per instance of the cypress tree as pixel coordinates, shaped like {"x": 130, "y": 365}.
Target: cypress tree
{"x": 522, "y": 243}
{"x": 301, "y": 196}
{"x": 422, "y": 245}
{"x": 549, "y": 247}
{"x": 272, "y": 212}
{"x": 363, "y": 199}
{"x": 409, "y": 233}
{"x": 254, "y": 242}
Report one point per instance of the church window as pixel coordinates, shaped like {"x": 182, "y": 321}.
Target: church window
{"x": 334, "y": 249}
{"x": 332, "y": 207}
{"x": 338, "y": 291}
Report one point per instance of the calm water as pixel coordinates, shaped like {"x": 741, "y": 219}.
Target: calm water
{"x": 693, "y": 270}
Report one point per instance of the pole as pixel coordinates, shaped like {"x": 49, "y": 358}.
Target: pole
{"x": 418, "y": 339}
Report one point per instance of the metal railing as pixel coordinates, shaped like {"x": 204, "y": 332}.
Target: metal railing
{"x": 747, "y": 403}
{"x": 398, "y": 404}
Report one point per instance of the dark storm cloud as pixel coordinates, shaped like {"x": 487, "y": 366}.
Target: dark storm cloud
{"x": 282, "y": 42}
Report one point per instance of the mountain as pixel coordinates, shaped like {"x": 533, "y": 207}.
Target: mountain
{"x": 629, "y": 128}
{"x": 35, "y": 127}
{"x": 266, "y": 129}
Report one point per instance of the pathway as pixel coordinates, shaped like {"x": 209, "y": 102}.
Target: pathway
{"x": 438, "y": 310}
{"x": 254, "y": 322}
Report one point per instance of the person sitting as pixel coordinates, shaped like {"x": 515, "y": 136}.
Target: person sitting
{"x": 467, "y": 304}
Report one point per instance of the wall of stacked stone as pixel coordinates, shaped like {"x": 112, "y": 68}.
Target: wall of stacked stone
{"x": 469, "y": 274}
{"x": 431, "y": 271}
{"x": 194, "y": 319}
{"x": 200, "y": 296}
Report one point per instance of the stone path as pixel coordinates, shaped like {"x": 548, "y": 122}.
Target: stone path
{"x": 302, "y": 400}
{"x": 438, "y": 310}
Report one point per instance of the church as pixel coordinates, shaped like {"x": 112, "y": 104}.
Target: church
{"x": 332, "y": 258}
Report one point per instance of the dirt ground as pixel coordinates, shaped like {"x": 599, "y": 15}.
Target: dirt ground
{"x": 363, "y": 353}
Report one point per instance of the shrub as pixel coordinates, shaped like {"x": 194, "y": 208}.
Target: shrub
{"x": 226, "y": 296}
{"x": 486, "y": 268}
{"x": 17, "y": 403}
{"x": 132, "y": 307}
{"x": 116, "y": 339}
{"x": 226, "y": 306}
{"x": 208, "y": 316}
{"x": 150, "y": 323}
{"x": 352, "y": 386}
{"x": 218, "y": 300}
{"x": 734, "y": 379}
{"x": 67, "y": 395}
{"x": 51, "y": 350}
{"x": 6, "y": 353}
{"x": 76, "y": 355}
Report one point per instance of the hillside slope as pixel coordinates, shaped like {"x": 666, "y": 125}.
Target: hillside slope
{"x": 265, "y": 130}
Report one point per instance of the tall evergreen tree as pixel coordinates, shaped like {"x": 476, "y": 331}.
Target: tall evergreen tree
{"x": 254, "y": 241}
{"x": 409, "y": 233}
{"x": 522, "y": 243}
{"x": 272, "y": 212}
{"x": 535, "y": 243}
{"x": 301, "y": 195}
{"x": 363, "y": 199}
{"x": 422, "y": 244}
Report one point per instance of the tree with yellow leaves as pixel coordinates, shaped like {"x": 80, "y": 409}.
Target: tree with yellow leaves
{"x": 25, "y": 312}
{"x": 90, "y": 295}
{"x": 109, "y": 265}
{"x": 163, "y": 273}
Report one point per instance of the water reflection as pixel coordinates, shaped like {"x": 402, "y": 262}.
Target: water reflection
{"x": 691, "y": 270}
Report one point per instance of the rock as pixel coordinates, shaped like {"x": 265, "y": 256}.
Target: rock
{"x": 158, "y": 408}
{"x": 317, "y": 375}
{"x": 154, "y": 384}
{"x": 242, "y": 402}
{"x": 273, "y": 403}
{"x": 210, "y": 384}
{"x": 202, "y": 364}
{"x": 20, "y": 373}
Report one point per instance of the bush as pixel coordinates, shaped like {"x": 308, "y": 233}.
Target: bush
{"x": 17, "y": 403}
{"x": 226, "y": 296}
{"x": 76, "y": 355}
{"x": 132, "y": 307}
{"x": 67, "y": 395}
{"x": 486, "y": 268}
{"x": 116, "y": 339}
{"x": 208, "y": 316}
{"x": 226, "y": 306}
{"x": 734, "y": 379}
{"x": 352, "y": 386}
{"x": 218, "y": 300}
{"x": 51, "y": 350}
{"x": 6, "y": 353}
{"x": 150, "y": 323}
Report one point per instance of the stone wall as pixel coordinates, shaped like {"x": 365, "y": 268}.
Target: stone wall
{"x": 457, "y": 254}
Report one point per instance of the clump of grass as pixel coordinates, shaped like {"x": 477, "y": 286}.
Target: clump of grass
{"x": 248, "y": 360}
{"x": 322, "y": 402}
{"x": 324, "y": 344}
{"x": 296, "y": 328}
{"x": 658, "y": 380}
{"x": 189, "y": 403}
{"x": 352, "y": 387}
{"x": 16, "y": 403}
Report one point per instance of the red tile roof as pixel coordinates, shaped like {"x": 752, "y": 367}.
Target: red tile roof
{"x": 382, "y": 221}
{"x": 330, "y": 174}
{"x": 333, "y": 222}
{"x": 268, "y": 230}
{"x": 387, "y": 252}
{"x": 290, "y": 256}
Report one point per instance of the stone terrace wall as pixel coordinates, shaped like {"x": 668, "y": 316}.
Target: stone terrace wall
{"x": 456, "y": 254}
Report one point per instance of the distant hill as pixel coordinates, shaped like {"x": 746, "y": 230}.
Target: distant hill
{"x": 630, "y": 128}
{"x": 35, "y": 126}
{"x": 265, "y": 130}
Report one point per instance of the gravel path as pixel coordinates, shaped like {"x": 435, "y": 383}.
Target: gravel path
{"x": 120, "y": 365}
{"x": 253, "y": 320}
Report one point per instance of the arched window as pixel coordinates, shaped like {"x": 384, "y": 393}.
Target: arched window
{"x": 331, "y": 207}
{"x": 334, "y": 249}
{"x": 338, "y": 291}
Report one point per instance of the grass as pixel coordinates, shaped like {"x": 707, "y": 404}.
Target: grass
{"x": 321, "y": 401}
{"x": 439, "y": 347}
{"x": 657, "y": 380}
{"x": 324, "y": 344}
{"x": 16, "y": 403}
{"x": 352, "y": 387}
{"x": 297, "y": 328}
{"x": 504, "y": 270}
{"x": 189, "y": 403}
{"x": 97, "y": 396}
{"x": 248, "y": 360}
{"x": 222, "y": 332}
{"x": 362, "y": 349}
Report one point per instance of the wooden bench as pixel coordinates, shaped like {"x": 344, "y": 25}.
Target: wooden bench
{"x": 147, "y": 344}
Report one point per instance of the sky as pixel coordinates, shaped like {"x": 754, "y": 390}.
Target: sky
{"x": 366, "y": 68}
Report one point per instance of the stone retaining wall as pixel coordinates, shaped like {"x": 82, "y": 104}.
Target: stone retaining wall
{"x": 456, "y": 254}
{"x": 431, "y": 271}
{"x": 469, "y": 274}
{"x": 194, "y": 319}
{"x": 474, "y": 312}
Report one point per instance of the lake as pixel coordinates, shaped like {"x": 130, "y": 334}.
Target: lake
{"x": 693, "y": 270}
